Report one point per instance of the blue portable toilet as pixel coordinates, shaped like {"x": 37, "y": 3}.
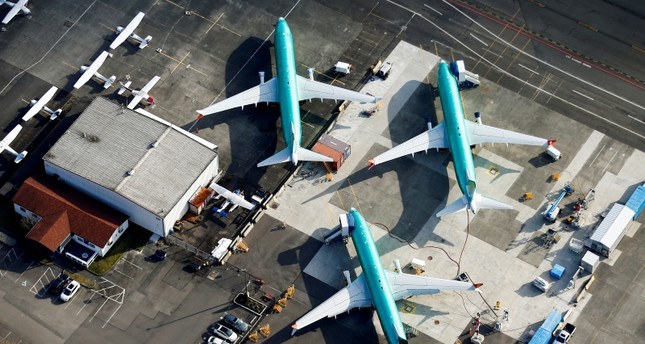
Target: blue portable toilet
{"x": 557, "y": 271}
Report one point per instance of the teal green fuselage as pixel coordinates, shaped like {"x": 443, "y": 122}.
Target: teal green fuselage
{"x": 377, "y": 282}
{"x": 288, "y": 87}
{"x": 455, "y": 127}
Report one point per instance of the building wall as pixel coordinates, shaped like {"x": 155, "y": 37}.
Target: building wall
{"x": 161, "y": 226}
{"x": 182, "y": 207}
{"x": 26, "y": 213}
{"x": 115, "y": 236}
{"x": 137, "y": 214}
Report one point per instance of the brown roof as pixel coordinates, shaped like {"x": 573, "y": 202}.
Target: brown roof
{"x": 64, "y": 211}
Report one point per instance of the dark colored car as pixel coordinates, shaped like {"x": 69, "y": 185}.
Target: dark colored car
{"x": 57, "y": 285}
{"x": 236, "y": 323}
{"x": 159, "y": 255}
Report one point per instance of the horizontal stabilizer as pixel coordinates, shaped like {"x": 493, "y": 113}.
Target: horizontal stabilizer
{"x": 280, "y": 157}
{"x": 285, "y": 156}
{"x": 479, "y": 202}
{"x": 307, "y": 155}
{"x": 457, "y": 206}
{"x": 488, "y": 203}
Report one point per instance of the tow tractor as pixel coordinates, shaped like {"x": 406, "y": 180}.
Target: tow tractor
{"x": 553, "y": 210}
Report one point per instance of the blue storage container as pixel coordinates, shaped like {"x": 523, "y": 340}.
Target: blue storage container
{"x": 636, "y": 201}
{"x": 557, "y": 271}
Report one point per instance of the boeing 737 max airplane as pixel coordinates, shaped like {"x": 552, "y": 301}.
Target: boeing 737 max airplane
{"x": 376, "y": 287}
{"x": 288, "y": 89}
{"x": 458, "y": 134}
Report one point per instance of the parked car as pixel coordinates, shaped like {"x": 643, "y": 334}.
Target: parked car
{"x": 57, "y": 285}
{"x": 70, "y": 290}
{"x": 159, "y": 256}
{"x": 236, "y": 323}
{"x": 215, "y": 340}
{"x": 223, "y": 332}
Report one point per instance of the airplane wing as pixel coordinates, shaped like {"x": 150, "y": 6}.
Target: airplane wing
{"x": 354, "y": 295}
{"x": 405, "y": 285}
{"x": 14, "y": 10}
{"x": 481, "y": 133}
{"x": 6, "y": 141}
{"x": 266, "y": 92}
{"x": 134, "y": 102}
{"x": 150, "y": 84}
{"x": 89, "y": 72}
{"x": 309, "y": 89}
{"x": 40, "y": 104}
{"x": 231, "y": 196}
{"x": 433, "y": 138}
{"x": 127, "y": 31}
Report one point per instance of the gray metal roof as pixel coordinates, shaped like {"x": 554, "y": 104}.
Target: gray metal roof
{"x": 613, "y": 226}
{"x": 143, "y": 158}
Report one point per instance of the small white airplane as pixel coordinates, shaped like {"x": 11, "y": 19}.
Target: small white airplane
{"x": 139, "y": 94}
{"x": 128, "y": 31}
{"x": 234, "y": 198}
{"x": 4, "y": 144}
{"x": 92, "y": 70}
{"x": 36, "y": 106}
{"x": 20, "y": 6}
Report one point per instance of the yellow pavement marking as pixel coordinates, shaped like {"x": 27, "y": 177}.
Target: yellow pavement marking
{"x": 71, "y": 66}
{"x": 214, "y": 23}
{"x": 180, "y": 62}
{"x": 205, "y": 18}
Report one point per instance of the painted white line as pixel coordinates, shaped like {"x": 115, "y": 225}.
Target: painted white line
{"x": 529, "y": 69}
{"x": 251, "y": 57}
{"x": 131, "y": 263}
{"x": 609, "y": 163}
{"x": 536, "y": 59}
{"x": 50, "y": 49}
{"x": 123, "y": 274}
{"x": 636, "y": 119}
{"x": 433, "y": 9}
{"x": 110, "y": 318}
{"x": 478, "y": 40}
{"x": 580, "y": 94}
{"x": 596, "y": 157}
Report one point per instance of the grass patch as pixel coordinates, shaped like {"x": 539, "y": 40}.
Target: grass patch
{"x": 134, "y": 237}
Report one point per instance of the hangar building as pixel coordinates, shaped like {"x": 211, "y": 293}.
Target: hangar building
{"x": 135, "y": 162}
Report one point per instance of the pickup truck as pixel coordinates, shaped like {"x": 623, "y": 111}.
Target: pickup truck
{"x": 565, "y": 333}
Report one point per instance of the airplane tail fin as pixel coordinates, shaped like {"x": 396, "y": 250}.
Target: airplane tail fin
{"x": 124, "y": 87}
{"x": 285, "y": 156}
{"x": 20, "y": 156}
{"x": 109, "y": 82}
{"x": 55, "y": 114}
{"x": 479, "y": 202}
{"x": 145, "y": 42}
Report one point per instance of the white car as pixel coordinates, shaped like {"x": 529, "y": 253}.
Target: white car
{"x": 70, "y": 290}
{"x": 223, "y": 332}
{"x": 215, "y": 340}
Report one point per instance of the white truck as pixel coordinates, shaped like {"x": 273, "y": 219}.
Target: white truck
{"x": 565, "y": 333}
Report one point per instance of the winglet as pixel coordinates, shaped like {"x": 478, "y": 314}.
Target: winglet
{"x": 295, "y": 328}
{"x": 550, "y": 142}
{"x": 477, "y": 285}
{"x": 372, "y": 164}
